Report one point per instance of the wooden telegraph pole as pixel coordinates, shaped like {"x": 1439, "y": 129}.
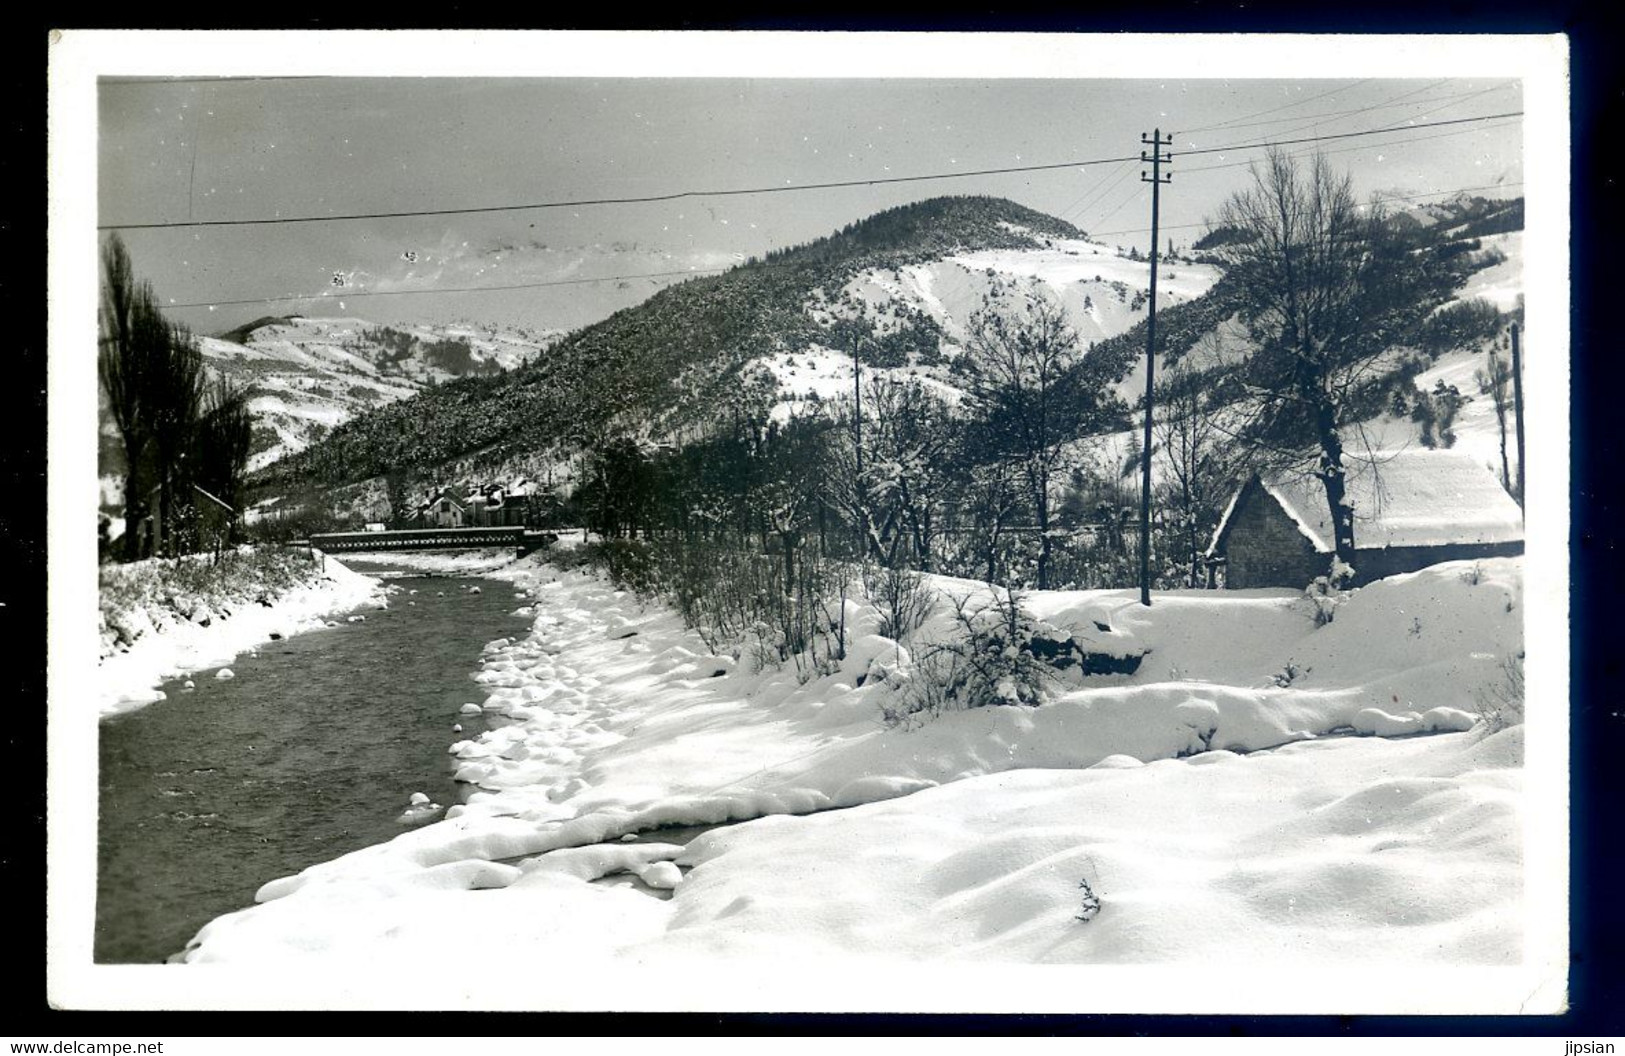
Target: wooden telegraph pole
{"x": 1156, "y": 179}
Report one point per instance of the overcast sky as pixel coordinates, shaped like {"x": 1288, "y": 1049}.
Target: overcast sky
{"x": 224, "y": 149}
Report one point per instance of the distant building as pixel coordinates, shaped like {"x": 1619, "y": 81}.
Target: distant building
{"x": 1412, "y": 509}
{"x": 444, "y": 510}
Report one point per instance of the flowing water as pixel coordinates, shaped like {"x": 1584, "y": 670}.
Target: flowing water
{"x": 310, "y": 752}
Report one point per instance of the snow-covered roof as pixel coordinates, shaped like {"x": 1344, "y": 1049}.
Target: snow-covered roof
{"x": 447, "y": 494}
{"x": 1414, "y": 497}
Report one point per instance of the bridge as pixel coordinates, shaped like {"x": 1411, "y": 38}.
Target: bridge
{"x": 523, "y": 539}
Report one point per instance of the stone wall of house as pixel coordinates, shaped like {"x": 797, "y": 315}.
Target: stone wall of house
{"x": 1264, "y": 547}
{"x": 1374, "y": 564}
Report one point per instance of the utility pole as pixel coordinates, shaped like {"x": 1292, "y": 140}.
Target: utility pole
{"x": 867, "y": 541}
{"x": 857, "y": 404}
{"x": 1517, "y": 403}
{"x": 1156, "y": 179}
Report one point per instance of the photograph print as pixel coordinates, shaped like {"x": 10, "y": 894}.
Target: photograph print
{"x": 779, "y": 522}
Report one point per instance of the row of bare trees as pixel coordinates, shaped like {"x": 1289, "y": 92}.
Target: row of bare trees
{"x": 185, "y": 438}
{"x": 917, "y": 468}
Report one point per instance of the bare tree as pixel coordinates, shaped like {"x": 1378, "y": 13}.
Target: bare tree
{"x": 1029, "y": 397}
{"x": 991, "y": 496}
{"x": 1195, "y": 447}
{"x": 900, "y": 495}
{"x": 793, "y": 457}
{"x": 225, "y": 436}
{"x": 913, "y": 452}
{"x": 1330, "y": 292}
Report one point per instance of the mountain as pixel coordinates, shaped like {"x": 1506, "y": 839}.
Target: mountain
{"x": 774, "y": 331}
{"x": 306, "y": 376}
{"x": 775, "y": 335}
{"x": 1462, "y": 216}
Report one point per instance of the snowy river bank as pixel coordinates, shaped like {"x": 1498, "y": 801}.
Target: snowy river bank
{"x": 629, "y": 807}
{"x": 312, "y": 750}
{"x": 165, "y": 647}
{"x": 1202, "y": 801}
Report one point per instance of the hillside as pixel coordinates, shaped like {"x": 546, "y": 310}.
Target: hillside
{"x": 306, "y": 376}
{"x": 1451, "y": 352}
{"x": 775, "y": 336}
{"x": 773, "y": 331}
{"x": 309, "y": 375}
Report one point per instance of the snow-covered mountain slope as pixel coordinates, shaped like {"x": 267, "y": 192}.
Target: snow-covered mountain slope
{"x": 1476, "y": 428}
{"x": 1500, "y": 284}
{"x": 1102, "y": 293}
{"x": 308, "y": 375}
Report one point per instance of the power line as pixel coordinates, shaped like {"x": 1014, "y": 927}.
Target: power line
{"x": 1396, "y": 101}
{"x": 245, "y": 79}
{"x": 1339, "y": 150}
{"x": 727, "y": 192}
{"x": 1383, "y": 200}
{"x": 644, "y": 199}
{"x": 1455, "y": 101}
{"x": 1135, "y": 194}
{"x": 1092, "y": 194}
{"x": 1348, "y": 135}
{"x": 1100, "y": 193}
{"x": 329, "y": 295}
{"x": 1274, "y": 110}
{"x": 693, "y": 273}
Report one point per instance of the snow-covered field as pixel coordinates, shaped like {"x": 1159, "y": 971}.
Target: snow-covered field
{"x": 165, "y": 647}
{"x": 1220, "y": 816}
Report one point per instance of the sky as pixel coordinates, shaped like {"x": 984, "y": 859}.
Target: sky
{"x": 223, "y": 148}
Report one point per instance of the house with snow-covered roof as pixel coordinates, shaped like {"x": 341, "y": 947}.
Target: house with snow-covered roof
{"x": 1412, "y": 509}
{"x": 445, "y": 509}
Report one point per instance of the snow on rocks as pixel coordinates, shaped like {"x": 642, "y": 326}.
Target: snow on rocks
{"x": 419, "y": 810}
{"x": 224, "y": 674}
{"x": 1448, "y": 720}
{"x": 1382, "y": 724}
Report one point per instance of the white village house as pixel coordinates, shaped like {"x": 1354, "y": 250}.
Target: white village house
{"x": 1412, "y": 509}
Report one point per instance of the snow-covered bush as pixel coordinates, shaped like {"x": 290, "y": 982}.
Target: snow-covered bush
{"x": 902, "y": 596}
{"x": 1327, "y": 592}
{"x": 741, "y": 602}
{"x": 986, "y": 660}
{"x": 1501, "y": 704}
{"x": 921, "y": 691}
{"x": 629, "y": 564}
{"x": 1289, "y": 674}
{"x": 802, "y": 613}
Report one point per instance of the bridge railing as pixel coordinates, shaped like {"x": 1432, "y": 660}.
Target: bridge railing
{"x": 419, "y": 539}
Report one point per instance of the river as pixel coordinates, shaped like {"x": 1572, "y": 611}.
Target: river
{"x": 312, "y": 751}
